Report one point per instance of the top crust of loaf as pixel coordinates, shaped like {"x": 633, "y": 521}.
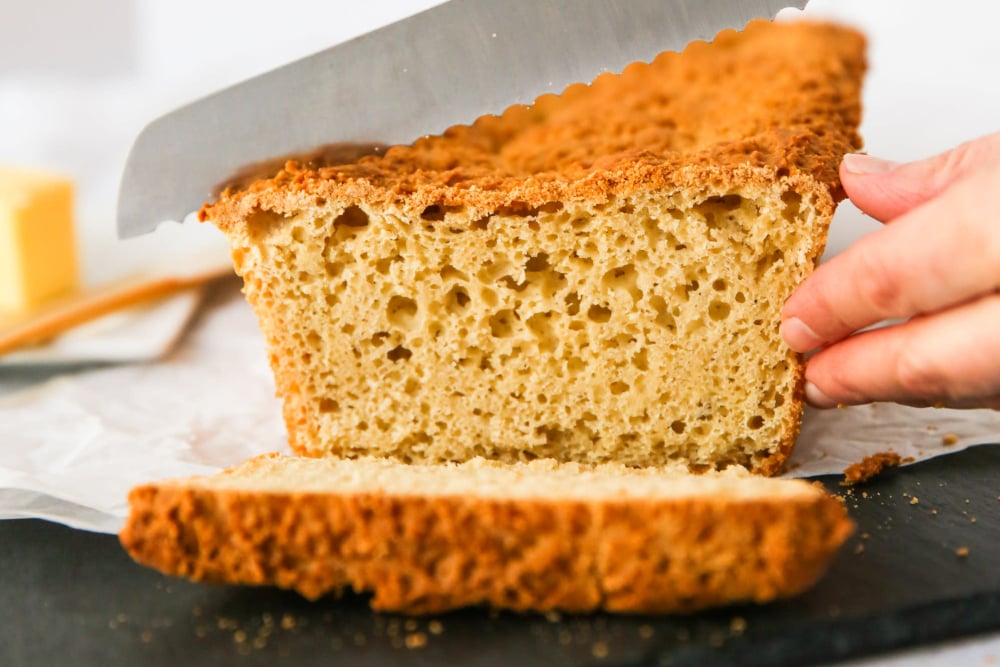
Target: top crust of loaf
{"x": 778, "y": 101}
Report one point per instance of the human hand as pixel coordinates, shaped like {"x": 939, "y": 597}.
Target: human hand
{"x": 936, "y": 263}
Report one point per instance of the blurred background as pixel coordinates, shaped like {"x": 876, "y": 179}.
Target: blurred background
{"x": 78, "y": 80}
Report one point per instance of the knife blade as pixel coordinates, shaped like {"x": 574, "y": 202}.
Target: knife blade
{"x": 442, "y": 67}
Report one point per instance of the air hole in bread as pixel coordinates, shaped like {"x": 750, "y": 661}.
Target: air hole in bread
{"x": 384, "y": 265}
{"x": 450, "y": 273}
{"x": 520, "y": 209}
{"x": 793, "y": 204}
{"x": 623, "y": 278}
{"x": 502, "y": 323}
{"x": 719, "y": 311}
{"x": 353, "y": 217}
{"x": 401, "y": 311}
{"x": 437, "y": 212}
{"x": 457, "y": 299}
{"x": 333, "y": 269}
{"x": 399, "y": 353}
{"x": 641, "y": 360}
{"x": 599, "y": 314}
{"x": 772, "y": 261}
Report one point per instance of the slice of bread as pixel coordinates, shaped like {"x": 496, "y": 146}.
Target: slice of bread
{"x": 538, "y": 536}
{"x": 595, "y": 278}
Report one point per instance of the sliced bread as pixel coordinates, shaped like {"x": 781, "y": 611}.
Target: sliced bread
{"x": 535, "y": 536}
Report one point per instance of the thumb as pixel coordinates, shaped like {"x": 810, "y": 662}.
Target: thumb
{"x": 886, "y": 190}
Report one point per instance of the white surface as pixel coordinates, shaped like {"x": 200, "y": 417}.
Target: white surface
{"x": 932, "y": 84}
{"x": 142, "y": 333}
{"x": 87, "y": 438}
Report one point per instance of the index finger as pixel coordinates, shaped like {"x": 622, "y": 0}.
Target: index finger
{"x": 938, "y": 255}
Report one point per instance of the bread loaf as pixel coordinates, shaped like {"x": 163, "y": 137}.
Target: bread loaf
{"x": 595, "y": 282}
{"x": 595, "y": 278}
{"x": 541, "y": 536}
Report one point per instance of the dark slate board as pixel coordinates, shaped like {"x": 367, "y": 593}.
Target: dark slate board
{"x": 74, "y": 598}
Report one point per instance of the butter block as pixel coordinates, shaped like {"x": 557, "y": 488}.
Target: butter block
{"x": 37, "y": 242}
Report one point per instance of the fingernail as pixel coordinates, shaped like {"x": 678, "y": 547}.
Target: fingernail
{"x": 866, "y": 165}
{"x": 799, "y": 336}
{"x": 817, "y": 398}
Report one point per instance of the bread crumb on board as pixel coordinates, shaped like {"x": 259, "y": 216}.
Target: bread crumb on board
{"x": 871, "y": 466}
{"x": 599, "y": 650}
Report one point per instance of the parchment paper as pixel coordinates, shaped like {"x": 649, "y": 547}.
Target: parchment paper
{"x": 71, "y": 448}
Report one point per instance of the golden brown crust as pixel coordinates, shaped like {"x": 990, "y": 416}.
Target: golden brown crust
{"x": 779, "y": 100}
{"x": 328, "y": 155}
{"x": 775, "y": 464}
{"x": 422, "y": 554}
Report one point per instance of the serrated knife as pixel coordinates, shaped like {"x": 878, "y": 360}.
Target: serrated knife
{"x": 442, "y": 67}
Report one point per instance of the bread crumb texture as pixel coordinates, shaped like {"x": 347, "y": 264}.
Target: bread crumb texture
{"x": 494, "y": 536}
{"x": 597, "y": 277}
{"x": 872, "y": 466}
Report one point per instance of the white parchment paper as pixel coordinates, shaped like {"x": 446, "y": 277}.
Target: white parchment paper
{"x": 71, "y": 448}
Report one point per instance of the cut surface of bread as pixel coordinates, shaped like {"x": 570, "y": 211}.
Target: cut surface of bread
{"x": 597, "y": 277}
{"x": 424, "y": 538}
